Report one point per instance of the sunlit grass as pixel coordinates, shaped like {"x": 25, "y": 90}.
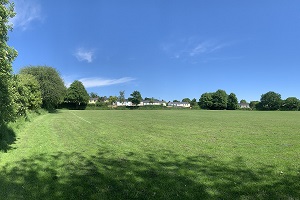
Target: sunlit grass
{"x": 173, "y": 154}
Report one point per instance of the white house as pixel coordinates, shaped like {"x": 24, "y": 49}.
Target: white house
{"x": 179, "y": 104}
{"x": 142, "y": 103}
{"x": 153, "y": 103}
{"x": 244, "y": 105}
{"x": 125, "y": 103}
{"x": 93, "y": 100}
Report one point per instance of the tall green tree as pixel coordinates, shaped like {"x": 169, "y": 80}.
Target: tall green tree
{"x": 186, "y": 100}
{"x": 232, "y": 103}
{"x": 291, "y": 103}
{"x": 254, "y": 104}
{"x": 219, "y": 99}
{"x": 270, "y": 101}
{"x": 7, "y": 56}
{"x": 112, "y": 99}
{"x": 94, "y": 95}
{"x": 77, "y": 94}
{"x": 135, "y": 98}
{"x": 27, "y": 93}
{"x": 122, "y": 96}
{"x": 52, "y": 86}
{"x": 243, "y": 101}
{"x": 205, "y": 101}
{"x": 194, "y": 104}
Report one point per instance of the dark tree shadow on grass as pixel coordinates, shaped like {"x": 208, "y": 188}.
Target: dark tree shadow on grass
{"x": 7, "y": 137}
{"x": 164, "y": 175}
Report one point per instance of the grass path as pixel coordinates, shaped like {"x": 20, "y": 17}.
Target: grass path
{"x": 154, "y": 155}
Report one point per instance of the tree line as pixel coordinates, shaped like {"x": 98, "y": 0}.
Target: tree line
{"x": 219, "y": 100}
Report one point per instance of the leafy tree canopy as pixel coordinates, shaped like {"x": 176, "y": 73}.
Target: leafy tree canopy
{"x": 205, "y": 101}
{"x": 27, "y": 93}
{"x": 94, "y": 95}
{"x": 7, "y": 56}
{"x": 253, "y": 104}
{"x": 243, "y": 101}
{"x": 186, "y": 100}
{"x": 220, "y": 100}
{"x": 232, "y": 103}
{"x": 112, "y": 99}
{"x": 52, "y": 86}
{"x": 194, "y": 103}
{"x": 291, "y": 103}
{"x": 136, "y": 97}
{"x": 122, "y": 96}
{"x": 270, "y": 101}
{"x": 77, "y": 94}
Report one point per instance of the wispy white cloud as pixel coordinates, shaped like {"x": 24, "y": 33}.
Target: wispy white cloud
{"x": 205, "y": 47}
{"x": 85, "y": 55}
{"x": 100, "y": 82}
{"x": 26, "y": 12}
{"x": 192, "y": 47}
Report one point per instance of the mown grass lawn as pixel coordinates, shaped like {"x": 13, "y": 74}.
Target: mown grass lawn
{"x": 174, "y": 154}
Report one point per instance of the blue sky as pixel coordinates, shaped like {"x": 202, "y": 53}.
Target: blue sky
{"x": 166, "y": 49}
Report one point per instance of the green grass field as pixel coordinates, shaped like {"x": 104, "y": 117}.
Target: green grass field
{"x": 173, "y": 154}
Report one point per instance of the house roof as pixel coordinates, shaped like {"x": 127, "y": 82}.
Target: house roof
{"x": 244, "y": 104}
{"x": 93, "y": 99}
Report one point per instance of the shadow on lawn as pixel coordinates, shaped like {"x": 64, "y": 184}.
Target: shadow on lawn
{"x": 7, "y": 137}
{"x": 151, "y": 176}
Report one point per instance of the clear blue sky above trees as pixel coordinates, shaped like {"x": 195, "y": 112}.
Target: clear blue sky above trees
{"x": 164, "y": 49}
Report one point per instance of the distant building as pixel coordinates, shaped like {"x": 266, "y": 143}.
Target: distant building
{"x": 244, "y": 105}
{"x": 153, "y": 103}
{"x": 93, "y": 100}
{"x": 125, "y": 103}
{"x": 142, "y": 103}
{"x": 179, "y": 104}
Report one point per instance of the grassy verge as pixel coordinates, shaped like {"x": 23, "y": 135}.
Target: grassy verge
{"x": 171, "y": 154}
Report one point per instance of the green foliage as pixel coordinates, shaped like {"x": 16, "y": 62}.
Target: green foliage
{"x": 52, "y": 86}
{"x": 77, "y": 94}
{"x": 243, "y": 101}
{"x": 232, "y": 103}
{"x": 175, "y": 100}
{"x": 135, "y": 98}
{"x": 253, "y": 104}
{"x": 291, "y": 103}
{"x": 102, "y": 104}
{"x": 220, "y": 100}
{"x": 194, "y": 104}
{"x": 94, "y": 95}
{"x": 122, "y": 96}
{"x": 205, "y": 101}
{"x": 27, "y": 93}
{"x": 186, "y": 100}
{"x": 270, "y": 101}
{"x": 7, "y": 56}
{"x": 112, "y": 99}
{"x": 102, "y": 99}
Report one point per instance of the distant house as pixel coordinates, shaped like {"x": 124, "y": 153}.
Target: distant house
{"x": 244, "y": 105}
{"x": 179, "y": 104}
{"x": 153, "y": 103}
{"x": 142, "y": 103}
{"x": 125, "y": 103}
{"x": 93, "y": 100}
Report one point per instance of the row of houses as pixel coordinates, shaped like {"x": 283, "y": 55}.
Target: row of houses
{"x": 146, "y": 103}
{"x": 157, "y": 103}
